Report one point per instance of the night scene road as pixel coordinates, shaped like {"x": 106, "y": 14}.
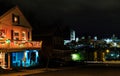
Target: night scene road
{"x": 84, "y": 71}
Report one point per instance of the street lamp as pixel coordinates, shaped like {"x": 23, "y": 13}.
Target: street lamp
{"x": 107, "y": 51}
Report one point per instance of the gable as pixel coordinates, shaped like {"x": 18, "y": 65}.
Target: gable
{"x": 7, "y": 18}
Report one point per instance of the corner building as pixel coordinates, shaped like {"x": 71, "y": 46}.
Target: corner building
{"x": 16, "y": 46}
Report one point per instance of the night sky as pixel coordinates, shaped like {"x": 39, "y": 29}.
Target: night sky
{"x": 90, "y": 17}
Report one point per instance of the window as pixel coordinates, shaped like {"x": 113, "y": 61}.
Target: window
{"x": 23, "y": 36}
{"x": 16, "y": 34}
{"x": 16, "y": 38}
{"x": 15, "y": 19}
{"x": 2, "y": 33}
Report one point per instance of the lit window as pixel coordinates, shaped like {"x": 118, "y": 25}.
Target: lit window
{"x": 16, "y": 35}
{"x": 16, "y": 38}
{"x": 15, "y": 19}
{"x": 23, "y": 36}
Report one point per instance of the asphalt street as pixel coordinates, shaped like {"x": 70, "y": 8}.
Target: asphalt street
{"x": 84, "y": 71}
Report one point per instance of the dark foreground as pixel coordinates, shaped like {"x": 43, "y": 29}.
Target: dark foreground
{"x": 84, "y": 71}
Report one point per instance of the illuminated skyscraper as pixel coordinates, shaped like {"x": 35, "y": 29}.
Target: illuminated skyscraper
{"x": 72, "y": 34}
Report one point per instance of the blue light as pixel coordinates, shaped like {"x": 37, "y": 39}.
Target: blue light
{"x": 23, "y": 59}
{"x": 17, "y": 59}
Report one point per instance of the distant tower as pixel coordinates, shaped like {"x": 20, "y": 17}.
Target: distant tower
{"x": 114, "y": 37}
{"x": 72, "y": 34}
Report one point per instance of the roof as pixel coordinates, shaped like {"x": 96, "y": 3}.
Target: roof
{"x": 6, "y": 10}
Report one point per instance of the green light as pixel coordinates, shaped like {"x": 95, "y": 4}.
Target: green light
{"x": 76, "y": 56}
{"x": 7, "y": 41}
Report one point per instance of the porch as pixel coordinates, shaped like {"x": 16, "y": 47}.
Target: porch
{"x": 19, "y": 53}
{"x": 11, "y": 46}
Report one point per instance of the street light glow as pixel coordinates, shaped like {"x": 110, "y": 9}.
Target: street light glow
{"x": 107, "y": 51}
{"x": 76, "y": 56}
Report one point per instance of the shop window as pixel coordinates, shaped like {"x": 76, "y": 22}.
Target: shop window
{"x": 14, "y": 58}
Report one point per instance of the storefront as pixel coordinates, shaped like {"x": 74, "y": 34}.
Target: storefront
{"x": 25, "y": 59}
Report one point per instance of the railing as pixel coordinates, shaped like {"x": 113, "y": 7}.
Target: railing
{"x": 21, "y": 45}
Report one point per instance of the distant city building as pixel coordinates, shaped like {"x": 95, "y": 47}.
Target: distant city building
{"x": 77, "y": 39}
{"x": 72, "y": 37}
{"x": 72, "y": 34}
{"x": 83, "y": 37}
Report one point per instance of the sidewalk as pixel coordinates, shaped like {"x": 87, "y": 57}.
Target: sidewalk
{"x": 28, "y": 72}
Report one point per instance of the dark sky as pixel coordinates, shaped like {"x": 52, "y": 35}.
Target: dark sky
{"x": 86, "y": 16}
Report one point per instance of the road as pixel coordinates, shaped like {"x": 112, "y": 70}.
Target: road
{"x": 84, "y": 71}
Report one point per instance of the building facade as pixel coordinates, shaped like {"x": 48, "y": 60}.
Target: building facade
{"x": 16, "y": 46}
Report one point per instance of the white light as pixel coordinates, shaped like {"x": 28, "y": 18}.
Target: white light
{"x": 95, "y": 38}
{"x": 66, "y": 41}
{"x": 26, "y": 53}
{"x": 114, "y": 44}
{"x": 108, "y": 40}
{"x": 77, "y": 39}
{"x": 36, "y": 53}
{"x": 83, "y": 37}
{"x": 112, "y": 54}
{"x": 15, "y": 19}
{"x": 118, "y": 55}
